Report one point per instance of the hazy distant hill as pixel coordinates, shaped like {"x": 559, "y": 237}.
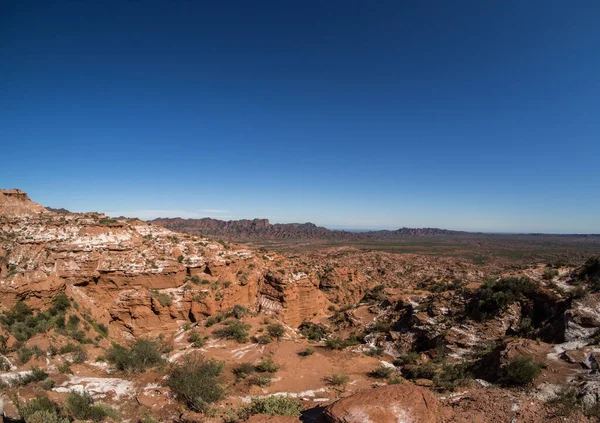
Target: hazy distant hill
{"x": 263, "y": 229}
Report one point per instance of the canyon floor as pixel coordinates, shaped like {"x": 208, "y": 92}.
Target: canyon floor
{"x": 107, "y": 319}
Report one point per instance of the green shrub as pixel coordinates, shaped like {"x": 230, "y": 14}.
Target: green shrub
{"x": 35, "y": 375}
{"x": 335, "y": 343}
{"x": 374, "y": 352}
{"x": 197, "y": 340}
{"x": 259, "y": 380}
{"x": 81, "y": 406}
{"x": 381, "y": 372}
{"x": 419, "y": 371}
{"x": 306, "y": 352}
{"x": 520, "y": 371}
{"x": 39, "y": 404}
{"x": 143, "y": 354}
{"x": 233, "y": 329}
{"x": 410, "y": 357}
{"x": 550, "y": 273}
{"x": 267, "y": 365}
{"x": 65, "y": 368}
{"x": 243, "y": 370}
{"x": 196, "y": 382}
{"x": 276, "y": 330}
{"x": 495, "y": 296}
{"x": 275, "y": 405}
{"x": 163, "y": 299}
{"x": 339, "y": 380}
{"x": 313, "y": 331}
{"x": 24, "y": 354}
{"x": 453, "y": 375}
{"x": 263, "y": 339}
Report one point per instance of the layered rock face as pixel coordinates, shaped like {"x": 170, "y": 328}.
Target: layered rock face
{"x": 136, "y": 277}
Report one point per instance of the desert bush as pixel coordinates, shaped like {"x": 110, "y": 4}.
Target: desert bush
{"x": 197, "y": 340}
{"x": 259, "y": 380}
{"x": 520, "y": 371}
{"x": 23, "y": 324}
{"x": 38, "y": 405}
{"x": 263, "y": 339}
{"x": 35, "y": 375}
{"x": 233, "y": 329}
{"x": 196, "y": 382}
{"x": 306, "y": 352}
{"x": 47, "y": 384}
{"x": 495, "y": 296}
{"x": 163, "y": 299}
{"x": 275, "y": 405}
{"x": 267, "y": 365}
{"x": 381, "y": 372}
{"x": 64, "y": 368}
{"x": 339, "y": 380}
{"x": 410, "y": 357}
{"x": 313, "y": 331}
{"x": 276, "y": 330}
{"x": 550, "y": 273}
{"x": 243, "y": 370}
{"x": 453, "y": 375}
{"x": 374, "y": 352}
{"x": 81, "y": 406}
{"x": 335, "y": 343}
{"x": 24, "y": 354}
{"x": 142, "y": 354}
{"x": 422, "y": 371}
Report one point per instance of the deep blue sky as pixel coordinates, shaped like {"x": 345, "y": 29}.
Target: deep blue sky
{"x": 476, "y": 115}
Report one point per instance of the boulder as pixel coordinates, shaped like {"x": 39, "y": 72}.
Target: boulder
{"x": 394, "y": 403}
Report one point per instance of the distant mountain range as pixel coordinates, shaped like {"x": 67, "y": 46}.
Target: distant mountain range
{"x": 263, "y": 229}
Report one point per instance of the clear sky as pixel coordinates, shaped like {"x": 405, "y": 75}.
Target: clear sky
{"x": 474, "y": 115}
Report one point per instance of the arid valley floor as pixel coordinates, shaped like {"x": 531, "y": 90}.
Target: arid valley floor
{"x": 118, "y": 319}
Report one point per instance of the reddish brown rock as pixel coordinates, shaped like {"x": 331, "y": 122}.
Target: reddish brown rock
{"x": 394, "y": 403}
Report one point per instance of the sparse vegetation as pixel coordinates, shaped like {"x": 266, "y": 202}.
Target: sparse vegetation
{"x": 276, "y": 330}
{"x": 381, "y": 372}
{"x": 520, "y": 371}
{"x": 275, "y": 405}
{"x": 339, "y": 380}
{"x": 233, "y": 329}
{"x": 196, "y": 382}
{"x": 313, "y": 331}
{"x": 81, "y": 406}
{"x": 141, "y": 355}
{"x": 306, "y": 352}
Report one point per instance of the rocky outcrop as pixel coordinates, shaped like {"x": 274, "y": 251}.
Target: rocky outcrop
{"x": 14, "y": 202}
{"x": 395, "y": 403}
{"x": 135, "y": 277}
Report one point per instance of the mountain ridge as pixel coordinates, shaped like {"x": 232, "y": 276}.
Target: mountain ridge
{"x": 263, "y": 228}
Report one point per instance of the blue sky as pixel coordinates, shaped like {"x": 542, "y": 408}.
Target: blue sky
{"x": 464, "y": 115}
